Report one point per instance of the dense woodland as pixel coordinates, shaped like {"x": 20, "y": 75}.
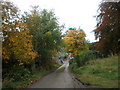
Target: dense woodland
{"x": 32, "y": 40}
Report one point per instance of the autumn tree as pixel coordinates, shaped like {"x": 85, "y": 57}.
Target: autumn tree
{"x": 75, "y": 41}
{"x": 108, "y": 28}
{"x": 46, "y": 33}
{"x": 17, "y": 43}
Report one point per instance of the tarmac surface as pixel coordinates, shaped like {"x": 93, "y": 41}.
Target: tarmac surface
{"x": 63, "y": 79}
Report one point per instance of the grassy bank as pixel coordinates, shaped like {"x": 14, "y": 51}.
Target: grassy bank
{"x": 30, "y": 79}
{"x": 101, "y": 73}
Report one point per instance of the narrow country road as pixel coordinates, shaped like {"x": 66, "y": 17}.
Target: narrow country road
{"x": 56, "y": 79}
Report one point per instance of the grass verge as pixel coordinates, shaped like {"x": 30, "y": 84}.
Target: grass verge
{"x": 99, "y": 73}
{"x": 61, "y": 69}
{"x": 8, "y": 83}
{"x": 37, "y": 75}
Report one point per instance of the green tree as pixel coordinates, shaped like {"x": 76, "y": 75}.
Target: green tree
{"x": 46, "y": 33}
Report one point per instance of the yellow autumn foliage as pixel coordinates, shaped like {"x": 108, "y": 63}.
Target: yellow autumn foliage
{"x": 18, "y": 45}
{"x": 75, "y": 41}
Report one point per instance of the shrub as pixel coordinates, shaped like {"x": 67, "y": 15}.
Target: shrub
{"x": 7, "y": 83}
{"x": 82, "y": 58}
{"x": 18, "y": 73}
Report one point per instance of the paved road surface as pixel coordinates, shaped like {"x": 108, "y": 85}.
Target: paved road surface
{"x": 56, "y": 79}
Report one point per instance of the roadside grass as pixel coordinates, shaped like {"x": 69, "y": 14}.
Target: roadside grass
{"x": 99, "y": 73}
{"x": 9, "y": 83}
{"x": 57, "y": 65}
{"x": 61, "y": 69}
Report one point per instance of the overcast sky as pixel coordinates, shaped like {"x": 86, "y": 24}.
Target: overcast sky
{"x": 72, "y": 13}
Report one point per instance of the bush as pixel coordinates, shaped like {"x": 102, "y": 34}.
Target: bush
{"x": 7, "y": 83}
{"x": 18, "y": 73}
{"x": 82, "y": 58}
